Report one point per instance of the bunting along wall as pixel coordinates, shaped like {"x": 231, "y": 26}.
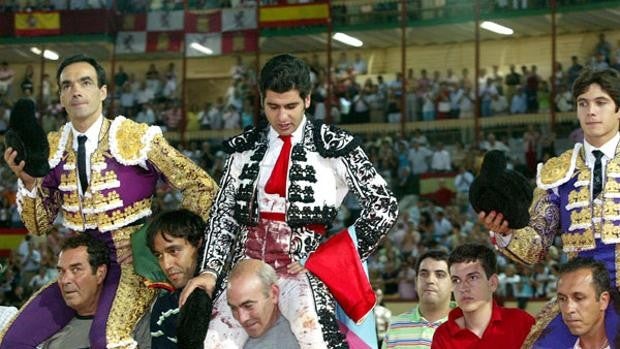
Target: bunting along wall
{"x": 214, "y": 33}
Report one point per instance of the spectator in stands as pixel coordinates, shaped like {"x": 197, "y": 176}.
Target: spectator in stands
{"x": 342, "y": 64}
{"x": 573, "y": 71}
{"x": 509, "y": 281}
{"x": 487, "y": 91}
{"x": 360, "y": 111}
{"x": 419, "y": 157}
{"x": 231, "y": 118}
{"x": 478, "y": 322}
{"x": 525, "y": 288}
{"x": 216, "y": 114}
{"x": 39, "y": 280}
{"x": 120, "y": 78}
{"x": 146, "y": 114}
{"x": 382, "y": 317}
{"x": 491, "y": 143}
{"x": 560, "y": 76}
{"x": 27, "y": 84}
{"x": 599, "y": 62}
{"x": 518, "y": 105}
{"x": 564, "y": 100}
{"x": 238, "y": 70}
{"x": 127, "y": 101}
{"x": 428, "y": 107}
{"x": 457, "y": 93}
{"x": 46, "y": 89}
{"x": 462, "y": 182}
{"x": 169, "y": 89}
{"x": 532, "y": 84}
{"x": 602, "y": 48}
{"x": 153, "y": 81}
{"x": 512, "y": 81}
{"x": 499, "y": 104}
{"x": 440, "y": 160}
{"x": 145, "y": 94}
{"x": 433, "y": 284}
{"x": 442, "y": 100}
{"x": 359, "y": 64}
{"x": 6, "y": 79}
{"x": 544, "y": 93}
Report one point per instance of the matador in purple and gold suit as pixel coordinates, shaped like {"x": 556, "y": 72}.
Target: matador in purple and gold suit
{"x": 128, "y": 161}
{"x": 588, "y": 227}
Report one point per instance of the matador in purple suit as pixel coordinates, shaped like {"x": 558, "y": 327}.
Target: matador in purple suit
{"x": 578, "y": 198}
{"x": 102, "y": 180}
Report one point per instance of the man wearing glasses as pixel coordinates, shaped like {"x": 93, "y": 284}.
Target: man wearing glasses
{"x": 478, "y": 322}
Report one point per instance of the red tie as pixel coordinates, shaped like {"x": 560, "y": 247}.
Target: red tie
{"x": 277, "y": 182}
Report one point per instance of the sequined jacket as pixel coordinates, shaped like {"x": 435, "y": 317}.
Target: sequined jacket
{"x": 125, "y": 167}
{"x": 562, "y": 204}
{"x": 325, "y": 165}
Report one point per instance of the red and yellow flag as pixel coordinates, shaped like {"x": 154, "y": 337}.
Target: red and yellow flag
{"x": 294, "y": 15}
{"x": 37, "y": 23}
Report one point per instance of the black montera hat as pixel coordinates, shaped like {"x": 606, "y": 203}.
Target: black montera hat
{"x": 194, "y": 320}
{"x": 26, "y": 136}
{"x": 501, "y": 190}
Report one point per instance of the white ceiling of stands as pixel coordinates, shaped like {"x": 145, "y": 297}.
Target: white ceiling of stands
{"x": 573, "y": 22}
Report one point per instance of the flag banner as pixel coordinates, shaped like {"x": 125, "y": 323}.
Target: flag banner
{"x": 203, "y": 22}
{"x": 133, "y": 22}
{"x": 165, "y": 20}
{"x": 239, "y": 42}
{"x": 130, "y": 42}
{"x": 164, "y": 41}
{"x": 293, "y": 15}
{"x": 10, "y": 238}
{"x": 37, "y": 23}
{"x": 201, "y": 44}
{"x": 240, "y": 18}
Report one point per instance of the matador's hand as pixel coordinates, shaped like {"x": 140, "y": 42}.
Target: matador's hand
{"x": 495, "y": 222}
{"x": 9, "y": 157}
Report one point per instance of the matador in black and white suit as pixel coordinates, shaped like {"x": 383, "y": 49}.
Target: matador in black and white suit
{"x": 246, "y": 222}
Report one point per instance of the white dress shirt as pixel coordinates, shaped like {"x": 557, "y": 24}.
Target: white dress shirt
{"x": 92, "y": 141}
{"x": 274, "y": 202}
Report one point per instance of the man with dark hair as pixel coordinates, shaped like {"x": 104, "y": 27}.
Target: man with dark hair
{"x": 577, "y": 196}
{"x": 252, "y": 296}
{"x": 478, "y": 322}
{"x": 282, "y": 185}
{"x": 415, "y": 329}
{"x": 82, "y": 268}
{"x": 583, "y": 296}
{"x": 102, "y": 179}
{"x": 175, "y": 238}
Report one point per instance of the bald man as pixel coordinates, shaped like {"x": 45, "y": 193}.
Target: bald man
{"x": 253, "y": 295}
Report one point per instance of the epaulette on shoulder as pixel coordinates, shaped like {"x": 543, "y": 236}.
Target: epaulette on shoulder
{"x": 57, "y": 141}
{"x": 558, "y": 170}
{"x": 131, "y": 141}
{"x": 242, "y": 142}
{"x": 333, "y": 142}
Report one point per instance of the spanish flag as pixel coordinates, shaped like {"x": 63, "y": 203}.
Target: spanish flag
{"x": 294, "y": 15}
{"x": 37, "y": 23}
{"x": 10, "y": 238}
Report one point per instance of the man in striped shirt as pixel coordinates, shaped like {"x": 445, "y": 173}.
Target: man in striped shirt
{"x": 415, "y": 328}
